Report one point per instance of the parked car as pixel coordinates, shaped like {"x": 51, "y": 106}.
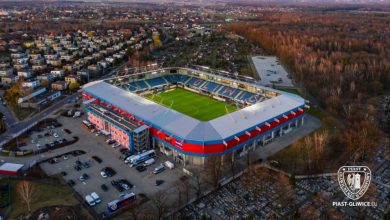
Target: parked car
{"x": 103, "y": 174}
{"x": 84, "y": 177}
{"x": 160, "y": 168}
{"x": 97, "y": 159}
{"x": 86, "y": 165}
{"x": 140, "y": 168}
{"x": 117, "y": 185}
{"x": 159, "y": 182}
{"x": 77, "y": 168}
{"x": 63, "y": 173}
{"x": 104, "y": 187}
{"x": 67, "y": 131}
{"x": 56, "y": 135}
{"x": 124, "y": 181}
{"x": 109, "y": 171}
{"x": 71, "y": 183}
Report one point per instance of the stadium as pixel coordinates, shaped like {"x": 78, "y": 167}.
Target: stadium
{"x": 190, "y": 114}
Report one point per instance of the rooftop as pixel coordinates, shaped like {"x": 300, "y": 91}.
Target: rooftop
{"x": 188, "y": 128}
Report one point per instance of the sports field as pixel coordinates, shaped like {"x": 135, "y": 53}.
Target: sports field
{"x": 192, "y": 104}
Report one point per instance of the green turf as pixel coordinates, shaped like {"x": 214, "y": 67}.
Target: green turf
{"x": 192, "y": 104}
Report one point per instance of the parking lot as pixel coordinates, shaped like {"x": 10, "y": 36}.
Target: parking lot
{"x": 144, "y": 182}
{"x": 47, "y": 137}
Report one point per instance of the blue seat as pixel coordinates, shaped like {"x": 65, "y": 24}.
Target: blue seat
{"x": 141, "y": 84}
{"x": 210, "y": 86}
{"x": 155, "y": 82}
{"x": 196, "y": 82}
{"x": 229, "y": 92}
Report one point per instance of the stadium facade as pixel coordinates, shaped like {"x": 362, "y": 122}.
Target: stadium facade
{"x": 117, "y": 108}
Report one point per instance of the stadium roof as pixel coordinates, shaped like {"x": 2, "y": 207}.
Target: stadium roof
{"x": 187, "y": 127}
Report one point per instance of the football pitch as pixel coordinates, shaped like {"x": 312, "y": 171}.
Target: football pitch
{"x": 192, "y": 104}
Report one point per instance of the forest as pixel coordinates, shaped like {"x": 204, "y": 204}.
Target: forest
{"x": 343, "y": 61}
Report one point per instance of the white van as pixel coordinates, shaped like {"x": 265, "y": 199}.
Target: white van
{"x": 150, "y": 162}
{"x": 90, "y": 200}
{"x": 169, "y": 164}
{"x": 96, "y": 197}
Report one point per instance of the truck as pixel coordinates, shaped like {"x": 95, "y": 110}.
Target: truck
{"x": 96, "y": 197}
{"x": 169, "y": 164}
{"x": 90, "y": 200}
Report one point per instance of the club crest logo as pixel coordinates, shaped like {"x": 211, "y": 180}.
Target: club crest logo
{"x": 354, "y": 180}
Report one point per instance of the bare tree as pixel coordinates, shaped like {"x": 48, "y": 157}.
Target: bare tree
{"x": 214, "y": 169}
{"x": 137, "y": 211}
{"x": 197, "y": 174}
{"x": 159, "y": 201}
{"x": 185, "y": 188}
{"x": 27, "y": 193}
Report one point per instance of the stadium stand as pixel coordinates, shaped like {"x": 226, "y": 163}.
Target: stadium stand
{"x": 212, "y": 87}
{"x": 156, "y": 82}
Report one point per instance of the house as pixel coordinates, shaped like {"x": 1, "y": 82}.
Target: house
{"x": 20, "y": 60}
{"x": 31, "y": 83}
{"x": 41, "y": 99}
{"x": 6, "y": 72}
{"x": 9, "y": 80}
{"x": 54, "y": 62}
{"x": 71, "y": 79}
{"x": 21, "y": 66}
{"x": 94, "y": 68}
{"x": 38, "y": 61}
{"x": 35, "y": 56}
{"x": 102, "y": 64}
{"x": 25, "y": 74}
{"x": 47, "y": 77}
{"x": 110, "y": 59}
{"x": 59, "y": 85}
{"x": 51, "y": 56}
{"x": 18, "y": 55}
{"x": 4, "y": 65}
{"x": 57, "y": 73}
{"x": 38, "y": 67}
{"x": 31, "y": 95}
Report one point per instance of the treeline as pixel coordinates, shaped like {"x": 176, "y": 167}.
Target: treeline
{"x": 343, "y": 60}
{"x": 339, "y": 58}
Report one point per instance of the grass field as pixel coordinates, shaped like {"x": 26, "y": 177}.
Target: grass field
{"x": 46, "y": 195}
{"x": 192, "y": 104}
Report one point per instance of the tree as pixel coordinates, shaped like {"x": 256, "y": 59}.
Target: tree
{"x": 137, "y": 211}
{"x": 3, "y": 127}
{"x": 74, "y": 86}
{"x": 159, "y": 201}
{"x": 27, "y": 193}
{"x": 197, "y": 174}
{"x": 12, "y": 94}
{"x": 214, "y": 169}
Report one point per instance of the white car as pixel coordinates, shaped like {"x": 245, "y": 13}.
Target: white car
{"x": 103, "y": 174}
{"x": 56, "y": 135}
{"x": 65, "y": 157}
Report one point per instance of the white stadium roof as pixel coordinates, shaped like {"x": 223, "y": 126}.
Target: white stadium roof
{"x": 187, "y": 127}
